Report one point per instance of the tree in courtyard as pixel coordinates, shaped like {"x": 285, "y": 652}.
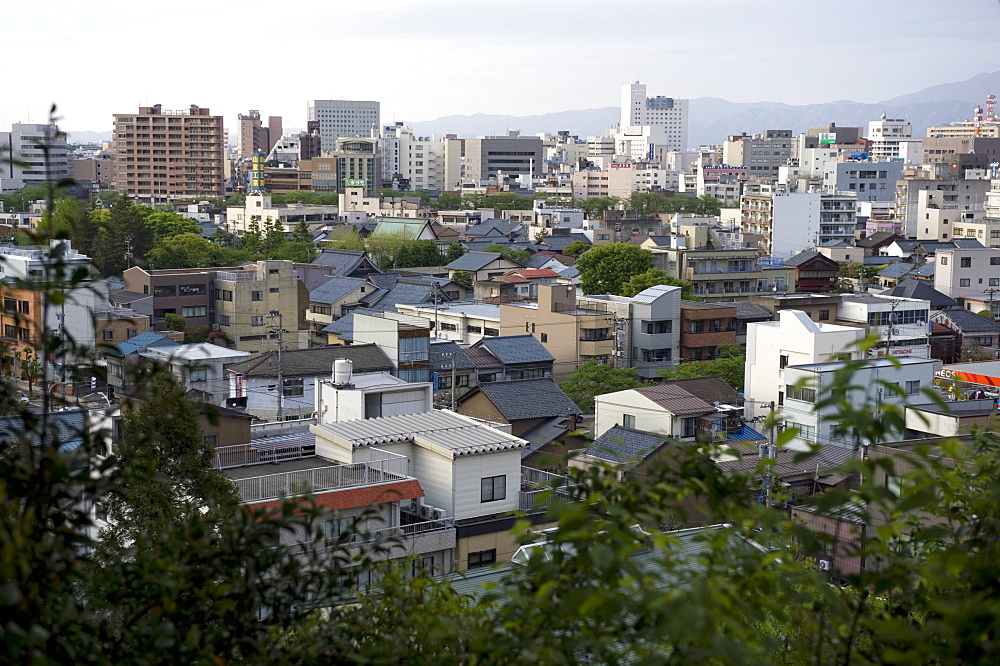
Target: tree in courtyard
{"x": 301, "y": 233}
{"x": 449, "y": 201}
{"x": 509, "y": 252}
{"x": 606, "y": 268}
{"x": 653, "y": 277}
{"x": 345, "y": 238}
{"x": 594, "y": 378}
{"x": 418, "y": 253}
{"x": 729, "y": 366}
{"x": 166, "y": 224}
{"x": 455, "y": 250}
{"x": 576, "y": 248}
{"x": 174, "y": 322}
{"x": 124, "y": 240}
{"x": 465, "y": 279}
{"x": 595, "y": 208}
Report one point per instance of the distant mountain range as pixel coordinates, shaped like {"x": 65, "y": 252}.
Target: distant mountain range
{"x": 712, "y": 119}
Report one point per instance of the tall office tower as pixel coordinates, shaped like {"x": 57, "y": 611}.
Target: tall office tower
{"x": 666, "y": 116}
{"x": 340, "y": 119}
{"x": 164, "y": 155}
{"x": 28, "y": 169}
{"x": 253, "y": 137}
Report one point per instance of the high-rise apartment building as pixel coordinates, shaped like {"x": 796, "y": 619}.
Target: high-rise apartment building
{"x": 254, "y": 137}
{"x": 762, "y": 154}
{"x": 29, "y": 168}
{"x": 340, "y": 119}
{"x": 667, "y": 116}
{"x": 164, "y": 155}
{"x": 885, "y": 136}
{"x": 420, "y": 162}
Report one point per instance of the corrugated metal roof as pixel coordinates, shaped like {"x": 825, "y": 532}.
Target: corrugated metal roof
{"x": 790, "y": 462}
{"x": 460, "y": 435}
{"x": 147, "y": 339}
{"x": 650, "y": 294}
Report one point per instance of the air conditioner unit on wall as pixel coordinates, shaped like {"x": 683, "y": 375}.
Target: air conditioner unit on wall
{"x": 824, "y": 565}
{"x": 437, "y": 514}
{"x": 425, "y": 511}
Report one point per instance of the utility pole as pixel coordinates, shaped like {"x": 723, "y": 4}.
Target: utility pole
{"x": 454, "y": 387}
{"x": 990, "y": 292}
{"x": 274, "y": 314}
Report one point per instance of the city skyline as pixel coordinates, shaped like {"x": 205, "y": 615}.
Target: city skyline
{"x": 527, "y": 58}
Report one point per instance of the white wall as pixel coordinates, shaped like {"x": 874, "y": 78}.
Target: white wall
{"x": 469, "y": 472}
{"x": 611, "y": 407}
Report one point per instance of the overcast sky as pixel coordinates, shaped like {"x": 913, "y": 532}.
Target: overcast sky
{"x": 428, "y": 58}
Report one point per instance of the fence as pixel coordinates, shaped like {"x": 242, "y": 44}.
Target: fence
{"x": 388, "y": 533}
{"x": 540, "y": 487}
{"x": 284, "y": 484}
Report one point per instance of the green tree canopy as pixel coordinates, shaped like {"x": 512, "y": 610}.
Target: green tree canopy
{"x": 187, "y": 251}
{"x": 730, "y": 367}
{"x": 597, "y": 207}
{"x": 606, "y": 268}
{"x": 345, "y": 238}
{"x": 418, "y": 253}
{"x": 449, "y": 201}
{"x": 455, "y": 251}
{"x": 594, "y": 378}
{"x": 576, "y": 248}
{"x": 125, "y": 239}
{"x": 509, "y": 252}
{"x": 653, "y": 277}
{"x": 166, "y": 224}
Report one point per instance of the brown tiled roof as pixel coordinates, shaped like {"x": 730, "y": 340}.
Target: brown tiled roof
{"x": 675, "y": 399}
{"x": 709, "y": 389}
{"x": 314, "y": 362}
{"x": 483, "y": 358}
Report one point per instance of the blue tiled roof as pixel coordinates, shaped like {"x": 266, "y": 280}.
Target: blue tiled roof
{"x": 559, "y": 243}
{"x": 147, "y": 339}
{"x": 625, "y": 445}
{"x": 514, "y": 349}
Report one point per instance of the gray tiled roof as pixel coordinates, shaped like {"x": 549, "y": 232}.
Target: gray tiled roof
{"x": 748, "y": 310}
{"x": 896, "y": 270}
{"x": 341, "y": 262}
{"x": 332, "y": 289}
{"x": 314, "y": 362}
{"x": 802, "y": 257}
{"x": 789, "y": 462}
{"x": 625, "y": 445}
{"x": 440, "y": 356}
{"x": 922, "y": 290}
{"x": 559, "y": 243}
{"x": 344, "y": 327}
{"x": 407, "y": 291}
{"x": 539, "y": 260}
{"x": 514, "y": 349}
{"x": 501, "y": 228}
{"x": 472, "y": 261}
{"x": 925, "y": 271}
{"x": 527, "y": 399}
{"x": 67, "y": 427}
{"x": 967, "y": 321}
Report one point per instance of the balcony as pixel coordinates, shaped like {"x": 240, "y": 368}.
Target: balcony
{"x": 538, "y": 487}
{"x": 295, "y": 471}
{"x": 422, "y": 537}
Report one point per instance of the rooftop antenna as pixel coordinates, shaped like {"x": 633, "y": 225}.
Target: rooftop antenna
{"x": 990, "y": 101}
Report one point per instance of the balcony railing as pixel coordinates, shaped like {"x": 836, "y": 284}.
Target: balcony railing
{"x": 539, "y": 487}
{"x": 386, "y": 534}
{"x": 285, "y": 484}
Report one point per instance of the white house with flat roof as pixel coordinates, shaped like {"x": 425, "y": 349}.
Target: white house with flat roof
{"x": 902, "y": 324}
{"x": 880, "y": 382}
{"x": 794, "y": 339}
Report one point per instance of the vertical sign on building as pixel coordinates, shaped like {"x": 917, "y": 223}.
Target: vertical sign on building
{"x": 257, "y": 172}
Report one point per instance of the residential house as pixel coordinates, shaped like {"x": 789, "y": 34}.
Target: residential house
{"x": 921, "y": 290}
{"x": 256, "y": 379}
{"x": 455, "y": 370}
{"x": 519, "y": 357}
{"x": 331, "y": 298}
{"x": 648, "y": 327}
{"x": 120, "y": 359}
{"x": 973, "y": 330}
{"x": 951, "y": 419}
{"x": 705, "y": 408}
{"x": 818, "y": 307}
{"x": 200, "y": 367}
{"x": 806, "y": 384}
{"x": 874, "y": 243}
{"x": 814, "y": 271}
{"x": 559, "y": 242}
{"x": 705, "y": 326}
{"x": 537, "y": 410}
{"x": 404, "y": 227}
{"x": 183, "y": 291}
{"x": 469, "y": 472}
{"x": 341, "y": 263}
{"x": 841, "y": 252}
{"x": 498, "y": 230}
{"x": 521, "y": 284}
{"x": 748, "y": 312}
{"x": 572, "y": 332}
{"x": 794, "y": 339}
{"x": 482, "y": 265}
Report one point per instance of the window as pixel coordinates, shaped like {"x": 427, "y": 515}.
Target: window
{"x": 115, "y": 370}
{"x": 965, "y": 262}
{"x": 688, "y": 427}
{"x": 256, "y": 295}
{"x": 802, "y": 394}
{"x": 224, "y": 320}
{"x": 292, "y": 388}
{"x": 273, "y": 290}
{"x": 272, "y": 271}
{"x": 493, "y": 488}
{"x": 445, "y": 326}
{"x": 656, "y": 327}
{"x": 196, "y": 311}
{"x": 224, "y": 294}
{"x": 335, "y": 529}
{"x": 198, "y": 374}
{"x": 109, "y": 335}
{"x": 913, "y": 387}
{"x": 995, "y": 261}
{"x": 824, "y": 315}
{"x": 131, "y": 332}
{"x": 482, "y": 558}
{"x": 964, "y": 282}
{"x": 594, "y": 333}
{"x": 545, "y": 337}
{"x": 783, "y": 361}
{"x": 628, "y": 420}
{"x": 995, "y": 282}
{"x": 491, "y": 331}
{"x": 463, "y": 380}
{"x": 257, "y": 320}
{"x": 166, "y": 290}
{"x": 192, "y": 290}
{"x": 944, "y": 261}
{"x": 474, "y": 329}
{"x": 444, "y": 381}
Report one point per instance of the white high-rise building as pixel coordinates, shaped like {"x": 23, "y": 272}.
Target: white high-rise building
{"x": 28, "y": 168}
{"x": 428, "y": 164}
{"x": 885, "y": 135}
{"x": 340, "y": 119}
{"x": 666, "y": 116}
